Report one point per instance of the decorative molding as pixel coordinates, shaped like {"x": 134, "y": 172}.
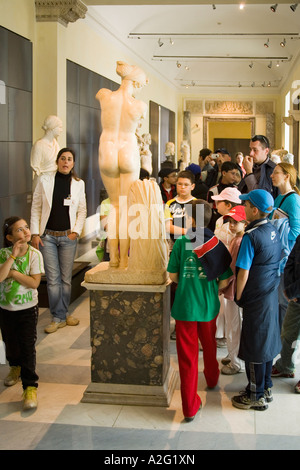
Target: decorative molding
{"x": 264, "y": 107}
{"x": 62, "y": 11}
{"x": 194, "y": 106}
{"x": 228, "y": 107}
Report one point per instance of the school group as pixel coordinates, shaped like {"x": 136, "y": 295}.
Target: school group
{"x": 235, "y": 265}
{"x": 235, "y": 269}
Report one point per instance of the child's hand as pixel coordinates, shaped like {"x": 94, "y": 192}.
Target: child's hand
{"x": 17, "y": 248}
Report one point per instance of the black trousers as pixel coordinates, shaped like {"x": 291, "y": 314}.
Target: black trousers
{"x": 19, "y": 334}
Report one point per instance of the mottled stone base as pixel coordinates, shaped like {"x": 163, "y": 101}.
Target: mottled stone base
{"x": 139, "y": 395}
{"x": 130, "y": 339}
{"x": 103, "y": 274}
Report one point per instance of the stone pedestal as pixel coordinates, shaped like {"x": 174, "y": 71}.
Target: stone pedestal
{"x": 130, "y": 334}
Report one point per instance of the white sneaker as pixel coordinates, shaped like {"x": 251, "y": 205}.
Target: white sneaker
{"x": 230, "y": 369}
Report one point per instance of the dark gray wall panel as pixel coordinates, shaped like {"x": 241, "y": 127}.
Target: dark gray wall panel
{"x": 19, "y": 62}
{"x": 20, "y": 204}
{"x": 4, "y": 118}
{"x": 20, "y": 173}
{"x": 4, "y": 186}
{"x": 73, "y": 124}
{"x": 89, "y": 125}
{"x": 19, "y": 115}
{"x": 4, "y": 55}
{"x": 72, "y": 82}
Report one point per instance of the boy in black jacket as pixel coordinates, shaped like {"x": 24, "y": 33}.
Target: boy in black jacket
{"x": 290, "y": 331}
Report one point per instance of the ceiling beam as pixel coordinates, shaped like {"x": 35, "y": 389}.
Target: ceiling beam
{"x": 180, "y": 2}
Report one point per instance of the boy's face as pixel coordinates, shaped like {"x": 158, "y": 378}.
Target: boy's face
{"x": 229, "y": 177}
{"x": 184, "y": 187}
{"x": 172, "y": 178}
{"x": 250, "y": 213}
{"x": 236, "y": 226}
{"x": 223, "y": 207}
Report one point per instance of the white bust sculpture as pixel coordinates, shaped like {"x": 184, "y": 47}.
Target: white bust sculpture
{"x": 170, "y": 149}
{"x": 185, "y": 155}
{"x": 146, "y": 154}
{"x": 45, "y": 150}
{"x": 119, "y": 157}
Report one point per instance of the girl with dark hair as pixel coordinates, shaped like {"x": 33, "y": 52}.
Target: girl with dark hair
{"x": 57, "y": 217}
{"x": 21, "y": 268}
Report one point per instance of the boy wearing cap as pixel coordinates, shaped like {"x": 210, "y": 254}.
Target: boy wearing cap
{"x": 225, "y": 201}
{"x": 256, "y": 292}
{"x": 168, "y": 184}
{"x": 236, "y": 221}
{"x": 228, "y": 179}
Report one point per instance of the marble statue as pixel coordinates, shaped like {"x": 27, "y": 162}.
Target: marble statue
{"x": 44, "y": 151}
{"x": 146, "y": 154}
{"x": 119, "y": 158}
{"x": 170, "y": 149}
{"x": 185, "y": 155}
{"x": 149, "y": 249}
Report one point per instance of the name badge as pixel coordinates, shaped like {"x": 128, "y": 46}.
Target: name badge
{"x": 67, "y": 202}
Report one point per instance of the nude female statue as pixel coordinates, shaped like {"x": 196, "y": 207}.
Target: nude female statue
{"x": 119, "y": 158}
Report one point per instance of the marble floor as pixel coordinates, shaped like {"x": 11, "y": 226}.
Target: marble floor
{"x": 63, "y": 422}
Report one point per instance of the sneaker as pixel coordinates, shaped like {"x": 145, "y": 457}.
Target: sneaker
{"x": 245, "y": 403}
{"x": 225, "y": 360}
{"x": 268, "y": 395}
{"x": 276, "y": 373}
{"x": 189, "y": 419}
{"x": 221, "y": 342}
{"x": 229, "y": 369}
{"x": 72, "y": 321}
{"x": 13, "y": 376}
{"x": 297, "y": 387}
{"x": 54, "y": 325}
{"x": 30, "y": 398}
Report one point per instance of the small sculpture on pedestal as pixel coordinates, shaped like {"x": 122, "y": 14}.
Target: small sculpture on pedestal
{"x": 146, "y": 154}
{"x": 45, "y": 150}
{"x": 185, "y": 155}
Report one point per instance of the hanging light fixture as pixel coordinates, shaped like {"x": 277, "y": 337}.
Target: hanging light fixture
{"x": 273, "y": 8}
{"x": 270, "y": 65}
{"x": 266, "y": 44}
{"x": 214, "y": 6}
{"x": 160, "y": 43}
{"x": 294, "y": 6}
{"x": 283, "y": 43}
{"x": 251, "y": 65}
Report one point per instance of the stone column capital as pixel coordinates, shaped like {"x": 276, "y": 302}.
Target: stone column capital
{"x": 62, "y": 11}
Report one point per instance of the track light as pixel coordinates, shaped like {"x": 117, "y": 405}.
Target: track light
{"x": 294, "y": 6}
{"x": 251, "y": 65}
{"x": 266, "y": 44}
{"x": 283, "y": 43}
{"x": 273, "y": 8}
{"x": 270, "y": 65}
{"x": 160, "y": 43}
{"x": 277, "y": 65}
{"x": 253, "y": 84}
{"x": 171, "y": 42}
{"x": 186, "y": 67}
{"x": 178, "y": 64}
{"x": 269, "y": 84}
{"x": 214, "y": 6}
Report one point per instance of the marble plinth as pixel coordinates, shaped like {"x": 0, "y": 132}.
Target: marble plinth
{"x": 103, "y": 274}
{"x": 130, "y": 334}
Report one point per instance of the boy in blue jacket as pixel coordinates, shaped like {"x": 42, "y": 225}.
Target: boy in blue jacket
{"x": 256, "y": 292}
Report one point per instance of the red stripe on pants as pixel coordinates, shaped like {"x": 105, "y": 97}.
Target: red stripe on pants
{"x": 188, "y": 334}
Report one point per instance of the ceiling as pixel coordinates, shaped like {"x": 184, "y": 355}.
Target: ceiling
{"x": 199, "y": 46}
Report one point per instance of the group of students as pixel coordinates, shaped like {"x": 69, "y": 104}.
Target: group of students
{"x": 250, "y": 284}
{"x": 58, "y": 213}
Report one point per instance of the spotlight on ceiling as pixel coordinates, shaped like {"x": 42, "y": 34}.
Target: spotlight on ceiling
{"x": 251, "y": 65}
{"x": 186, "y": 67}
{"x": 269, "y": 84}
{"x": 277, "y": 64}
{"x": 283, "y": 43}
{"x": 178, "y": 64}
{"x": 171, "y": 42}
{"x": 273, "y": 8}
{"x": 266, "y": 44}
{"x": 253, "y": 84}
{"x": 214, "y": 6}
{"x": 270, "y": 65}
{"x": 160, "y": 43}
{"x": 294, "y": 6}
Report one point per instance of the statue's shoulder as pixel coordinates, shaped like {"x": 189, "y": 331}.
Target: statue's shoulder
{"x": 102, "y": 93}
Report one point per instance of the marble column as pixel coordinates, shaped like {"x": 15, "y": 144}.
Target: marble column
{"x": 130, "y": 331}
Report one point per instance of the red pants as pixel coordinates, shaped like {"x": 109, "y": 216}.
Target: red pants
{"x": 188, "y": 334}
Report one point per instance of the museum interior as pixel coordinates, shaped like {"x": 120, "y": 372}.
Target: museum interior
{"x": 217, "y": 74}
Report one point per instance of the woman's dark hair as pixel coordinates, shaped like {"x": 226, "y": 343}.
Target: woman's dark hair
{"x": 7, "y": 229}
{"x": 67, "y": 149}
